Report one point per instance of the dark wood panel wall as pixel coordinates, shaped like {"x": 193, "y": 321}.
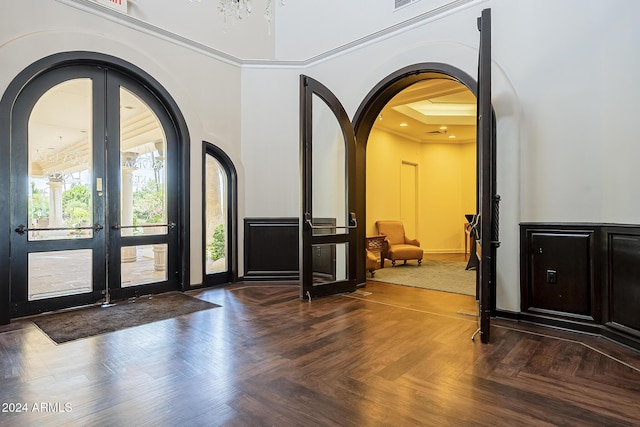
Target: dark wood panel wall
{"x": 271, "y": 249}
{"x": 584, "y": 277}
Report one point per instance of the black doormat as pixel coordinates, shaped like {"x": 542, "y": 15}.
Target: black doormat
{"x": 87, "y": 322}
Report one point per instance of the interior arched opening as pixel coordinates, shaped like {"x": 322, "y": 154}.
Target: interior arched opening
{"x": 418, "y": 166}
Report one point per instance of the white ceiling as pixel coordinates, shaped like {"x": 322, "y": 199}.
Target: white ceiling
{"x": 432, "y": 111}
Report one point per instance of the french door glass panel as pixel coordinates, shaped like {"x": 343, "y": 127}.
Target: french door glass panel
{"x": 60, "y": 192}
{"x": 330, "y": 263}
{"x": 143, "y": 193}
{"x": 149, "y": 264}
{"x": 329, "y": 171}
{"x": 59, "y": 273}
{"x": 216, "y": 190}
{"x": 143, "y": 147}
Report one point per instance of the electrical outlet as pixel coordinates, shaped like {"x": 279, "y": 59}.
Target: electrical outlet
{"x": 552, "y": 276}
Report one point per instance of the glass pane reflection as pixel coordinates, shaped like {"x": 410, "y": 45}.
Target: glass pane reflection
{"x": 329, "y": 172}
{"x": 60, "y": 162}
{"x": 59, "y": 273}
{"x": 330, "y": 263}
{"x": 143, "y": 264}
{"x": 143, "y": 147}
{"x": 216, "y": 216}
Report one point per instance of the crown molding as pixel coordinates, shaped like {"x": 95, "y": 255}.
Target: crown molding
{"x": 416, "y": 21}
{"x": 136, "y": 24}
{"x": 90, "y": 6}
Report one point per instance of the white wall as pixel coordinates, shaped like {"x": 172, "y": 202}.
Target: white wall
{"x": 309, "y": 28}
{"x": 270, "y": 135}
{"x": 565, "y": 94}
{"x": 446, "y": 188}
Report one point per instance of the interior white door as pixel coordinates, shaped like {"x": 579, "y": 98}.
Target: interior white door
{"x": 409, "y": 198}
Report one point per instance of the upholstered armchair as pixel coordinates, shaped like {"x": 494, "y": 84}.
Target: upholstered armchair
{"x": 397, "y": 245}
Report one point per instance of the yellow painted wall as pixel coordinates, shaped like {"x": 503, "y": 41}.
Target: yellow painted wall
{"x": 446, "y": 187}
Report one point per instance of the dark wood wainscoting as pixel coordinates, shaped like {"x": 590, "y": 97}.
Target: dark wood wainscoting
{"x": 559, "y": 274}
{"x": 584, "y": 277}
{"x": 622, "y": 296}
{"x": 271, "y": 248}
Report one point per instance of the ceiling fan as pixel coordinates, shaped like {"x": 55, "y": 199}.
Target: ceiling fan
{"x": 437, "y": 132}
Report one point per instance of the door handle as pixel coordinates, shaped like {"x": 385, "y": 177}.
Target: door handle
{"x": 120, "y": 227}
{"x": 21, "y": 229}
{"x": 352, "y": 223}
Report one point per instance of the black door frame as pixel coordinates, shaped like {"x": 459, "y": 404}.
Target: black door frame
{"x": 9, "y": 97}
{"x": 488, "y": 203}
{"x": 231, "y": 275}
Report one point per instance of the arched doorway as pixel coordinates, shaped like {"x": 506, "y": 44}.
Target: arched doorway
{"x": 421, "y": 170}
{"x": 376, "y": 101}
{"x": 486, "y": 222}
{"x": 97, "y": 183}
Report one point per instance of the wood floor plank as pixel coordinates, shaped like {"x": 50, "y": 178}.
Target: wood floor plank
{"x": 395, "y": 356}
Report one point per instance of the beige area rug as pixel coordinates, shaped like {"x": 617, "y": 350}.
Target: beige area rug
{"x": 447, "y": 276}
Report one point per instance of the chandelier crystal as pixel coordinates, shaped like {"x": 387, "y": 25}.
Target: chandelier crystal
{"x": 233, "y": 10}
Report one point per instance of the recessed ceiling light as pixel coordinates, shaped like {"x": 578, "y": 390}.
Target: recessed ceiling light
{"x": 452, "y": 136}
{"x": 403, "y": 125}
{"x": 443, "y": 128}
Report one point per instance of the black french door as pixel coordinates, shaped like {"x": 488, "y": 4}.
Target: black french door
{"x": 327, "y": 220}
{"x": 94, "y": 191}
{"x": 486, "y": 227}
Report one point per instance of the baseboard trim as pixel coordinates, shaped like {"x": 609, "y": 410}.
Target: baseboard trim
{"x": 270, "y": 276}
{"x": 609, "y": 332}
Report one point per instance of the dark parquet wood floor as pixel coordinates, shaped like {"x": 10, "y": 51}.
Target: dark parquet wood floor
{"x": 398, "y": 356}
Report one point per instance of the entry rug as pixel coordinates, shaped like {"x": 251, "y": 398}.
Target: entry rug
{"x": 87, "y": 322}
{"x": 446, "y": 276}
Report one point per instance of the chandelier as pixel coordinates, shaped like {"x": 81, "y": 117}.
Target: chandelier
{"x": 236, "y": 9}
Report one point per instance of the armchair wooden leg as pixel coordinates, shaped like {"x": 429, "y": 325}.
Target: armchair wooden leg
{"x": 393, "y": 263}
{"x": 419, "y": 262}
